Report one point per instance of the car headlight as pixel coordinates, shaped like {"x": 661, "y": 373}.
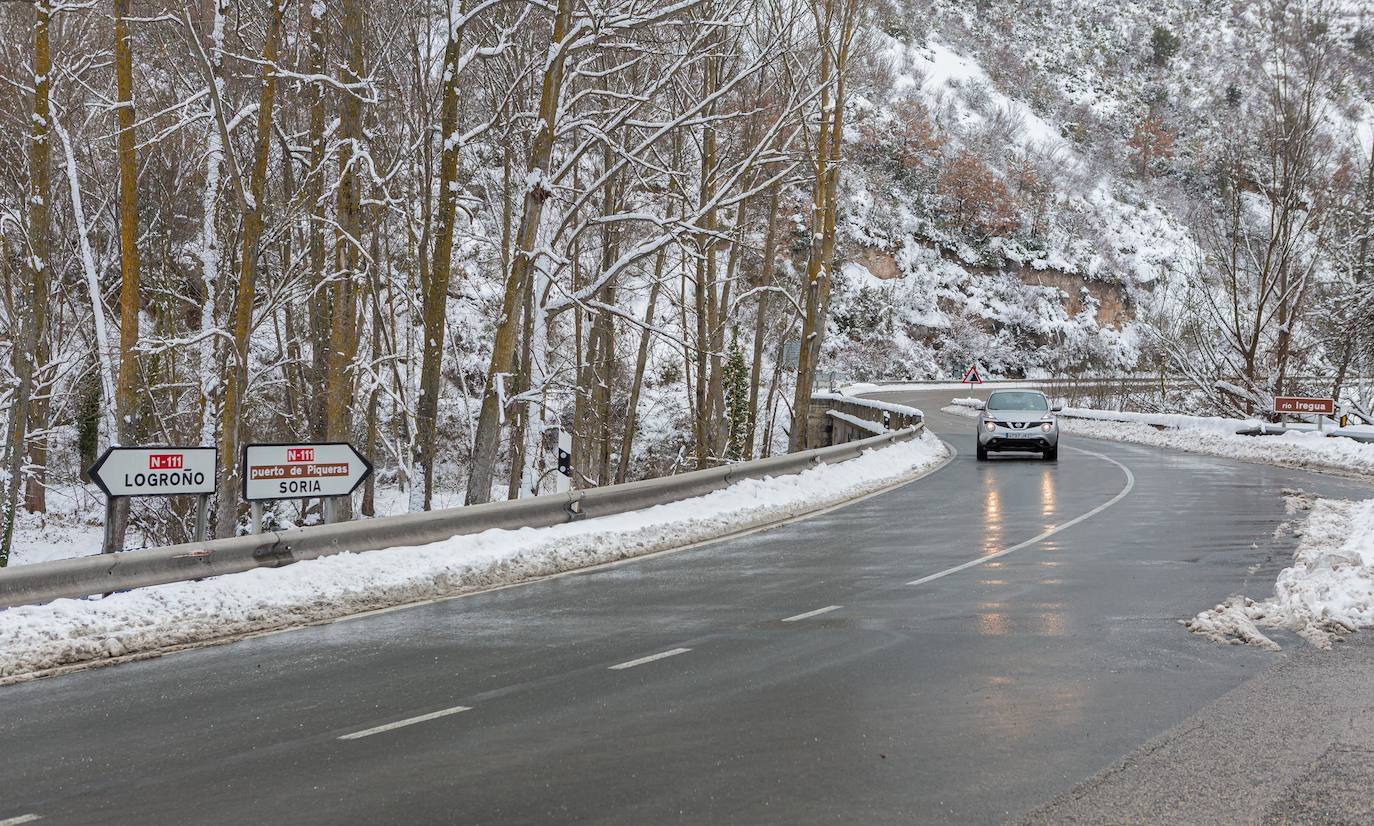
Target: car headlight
{"x": 1047, "y": 426}
{"x": 988, "y": 425}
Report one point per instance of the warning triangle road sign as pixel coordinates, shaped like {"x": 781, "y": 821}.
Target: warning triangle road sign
{"x": 972, "y": 376}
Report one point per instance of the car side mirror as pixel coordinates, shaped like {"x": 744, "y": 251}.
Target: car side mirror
{"x": 1058, "y": 408}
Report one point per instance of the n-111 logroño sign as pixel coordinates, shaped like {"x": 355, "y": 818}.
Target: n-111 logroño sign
{"x": 300, "y": 471}
{"x": 156, "y": 471}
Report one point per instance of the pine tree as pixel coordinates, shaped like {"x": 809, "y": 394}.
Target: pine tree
{"x": 1164, "y": 44}
{"x": 736, "y": 380}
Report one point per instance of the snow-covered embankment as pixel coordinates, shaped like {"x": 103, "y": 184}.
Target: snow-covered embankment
{"x": 34, "y": 639}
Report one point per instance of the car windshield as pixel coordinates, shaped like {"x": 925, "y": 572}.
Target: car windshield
{"x": 1017, "y": 401}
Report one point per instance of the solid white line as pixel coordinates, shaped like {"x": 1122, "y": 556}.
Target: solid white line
{"x": 827, "y": 609}
{"x": 1130, "y": 485}
{"x": 642, "y": 660}
{"x": 15, "y": 821}
{"x": 409, "y": 721}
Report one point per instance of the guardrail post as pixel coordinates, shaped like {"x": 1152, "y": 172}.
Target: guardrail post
{"x": 202, "y": 516}
{"x": 107, "y": 543}
{"x": 574, "y": 507}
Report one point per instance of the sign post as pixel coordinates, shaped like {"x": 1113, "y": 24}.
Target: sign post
{"x": 324, "y": 471}
{"x": 164, "y": 470}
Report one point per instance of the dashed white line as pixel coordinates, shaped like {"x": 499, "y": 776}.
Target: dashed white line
{"x": 816, "y": 613}
{"x": 642, "y": 660}
{"x": 409, "y": 721}
{"x": 1130, "y": 485}
{"x": 15, "y": 821}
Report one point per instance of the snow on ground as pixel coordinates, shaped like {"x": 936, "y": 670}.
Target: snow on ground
{"x": 34, "y": 638}
{"x": 73, "y": 526}
{"x": 1327, "y": 592}
{"x": 1307, "y": 450}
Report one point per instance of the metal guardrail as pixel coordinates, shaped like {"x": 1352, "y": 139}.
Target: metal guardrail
{"x": 84, "y": 576}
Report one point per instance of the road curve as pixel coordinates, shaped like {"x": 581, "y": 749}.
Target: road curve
{"x": 854, "y": 667}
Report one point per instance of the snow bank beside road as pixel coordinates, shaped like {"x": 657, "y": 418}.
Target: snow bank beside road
{"x": 37, "y": 638}
{"x": 1328, "y": 591}
{"x": 1307, "y": 450}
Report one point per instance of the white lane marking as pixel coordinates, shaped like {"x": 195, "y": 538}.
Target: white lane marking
{"x": 15, "y": 821}
{"x": 642, "y": 660}
{"x": 409, "y": 721}
{"x": 1130, "y": 485}
{"x": 827, "y": 609}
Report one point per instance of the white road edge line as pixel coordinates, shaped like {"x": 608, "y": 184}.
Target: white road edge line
{"x": 973, "y": 563}
{"x": 409, "y": 721}
{"x": 827, "y": 609}
{"x": 642, "y": 660}
{"x": 15, "y": 821}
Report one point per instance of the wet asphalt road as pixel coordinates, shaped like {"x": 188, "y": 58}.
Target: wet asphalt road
{"x": 975, "y": 697}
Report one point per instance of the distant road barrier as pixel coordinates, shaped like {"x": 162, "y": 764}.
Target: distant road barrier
{"x": 84, "y": 576}
{"x": 837, "y": 419}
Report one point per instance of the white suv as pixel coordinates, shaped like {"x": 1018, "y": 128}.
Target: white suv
{"x": 1020, "y": 420}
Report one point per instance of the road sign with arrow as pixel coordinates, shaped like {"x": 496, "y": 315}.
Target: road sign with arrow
{"x": 300, "y": 471}
{"x": 159, "y": 470}
{"x": 156, "y": 471}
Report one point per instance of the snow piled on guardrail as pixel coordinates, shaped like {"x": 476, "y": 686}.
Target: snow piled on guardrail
{"x": 1327, "y": 592}
{"x": 147, "y": 621}
{"x": 1308, "y": 450}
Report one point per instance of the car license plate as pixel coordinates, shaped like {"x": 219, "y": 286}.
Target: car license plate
{"x": 1012, "y": 434}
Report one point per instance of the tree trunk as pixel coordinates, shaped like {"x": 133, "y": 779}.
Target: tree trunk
{"x": 602, "y": 368}
{"x": 815, "y": 271}
{"x": 770, "y": 240}
{"x": 816, "y": 290}
{"x": 702, "y": 296}
{"x": 241, "y": 317}
{"x": 318, "y": 303}
{"x": 537, "y": 191}
{"x": 40, "y": 196}
{"x": 19, "y": 411}
{"x": 343, "y": 293}
{"x": 130, "y": 294}
{"x": 435, "y": 292}
{"x": 637, "y": 383}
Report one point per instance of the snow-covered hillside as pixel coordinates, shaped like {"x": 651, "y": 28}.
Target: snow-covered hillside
{"x": 1026, "y": 179}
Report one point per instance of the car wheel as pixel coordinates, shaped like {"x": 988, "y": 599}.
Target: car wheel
{"x": 1052, "y": 455}
{"x": 982, "y": 453}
